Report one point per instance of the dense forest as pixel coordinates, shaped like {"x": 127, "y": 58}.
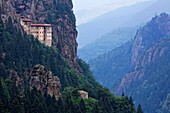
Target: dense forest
{"x": 19, "y": 53}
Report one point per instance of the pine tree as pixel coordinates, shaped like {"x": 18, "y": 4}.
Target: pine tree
{"x": 5, "y": 93}
{"x": 60, "y": 106}
{"x": 1, "y": 98}
{"x": 1, "y": 28}
{"x": 139, "y": 110}
{"x": 1, "y": 43}
{"x": 123, "y": 94}
{"x": 16, "y": 106}
{"x": 82, "y": 106}
{"x": 131, "y": 101}
{"x": 4, "y": 97}
{"x": 9, "y": 26}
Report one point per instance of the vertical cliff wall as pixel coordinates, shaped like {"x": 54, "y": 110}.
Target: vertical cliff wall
{"x": 56, "y": 12}
{"x": 148, "y": 82}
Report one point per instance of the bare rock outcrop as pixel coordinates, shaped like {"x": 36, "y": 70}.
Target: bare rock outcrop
{"x": 150, "y": 44}
{"x": 155, "y": 30}
{"x": 152, "y": 54}
{"x": 166, "y": 104}
{"x": 44, "y": 81}
{"x": 40, "y": 78}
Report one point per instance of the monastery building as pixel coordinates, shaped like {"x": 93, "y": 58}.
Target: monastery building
{"x": 43, "y": 32}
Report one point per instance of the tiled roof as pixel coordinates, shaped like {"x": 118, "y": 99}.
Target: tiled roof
{"x": 27, "y": 20}
{"x": 41, "y": 25}
{"x": 22, "y": 17}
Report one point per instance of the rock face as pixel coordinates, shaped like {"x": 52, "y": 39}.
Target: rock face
{"x": 166, "y": 104}
{"x": 149, "y": 45}
{"x": 44, "y": 81}
{"x": 40, "y": 78}
{"x": 151, "y": 55}
{"x": 158, "y": 28}
{"x": 56, "y": 12}
{"x": 14, "y": 76}
{"x": 148, "y": 81}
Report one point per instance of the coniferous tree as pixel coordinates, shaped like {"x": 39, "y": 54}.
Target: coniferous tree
{"x": 123, "y": 94}
{"x": 1, "y": 98}
{"x": 139, "y": 109}
{"x": 2, "y": 69}
{"x": 4, "y": 97}
{"x": 82, "y": 106}
{"x": 9, "y": 26}
{"x": 131, "y": 101}
{"x": 16, "y": 106}
{"x": 1, "y": 29}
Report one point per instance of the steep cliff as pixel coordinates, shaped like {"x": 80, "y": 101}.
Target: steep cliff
{"x": 140, "y": 68}
{"x": 40, "y": 78}
{"x": 154, "y": 53}
{"x": 56, "y": 12}
{"x": 26, "y": 63}
{"x": 150, "y": 44}
{"x": 150, "y": 78}
{"x": 158, "y": 28}
{"x": 44, "y": 81}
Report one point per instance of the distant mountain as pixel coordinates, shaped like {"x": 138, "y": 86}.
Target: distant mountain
{"x": 107, "y": 22}
{"x": 150, "y": 76}
{"x": 140, "y": 68}
{"x": 110, "y": 67}
{"x": 107, "y": 43}
{"x": 146, "y": 14}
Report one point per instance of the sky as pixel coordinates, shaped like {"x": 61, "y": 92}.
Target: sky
{"x": 87, "y": 10}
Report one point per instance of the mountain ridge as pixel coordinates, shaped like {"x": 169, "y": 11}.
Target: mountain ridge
{"x": 109, "y": 21}
{"x": 107, "y": 43}
{"x": 147, "y": 63}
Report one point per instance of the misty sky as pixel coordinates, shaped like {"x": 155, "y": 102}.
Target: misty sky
{"x": 87, "y": 10}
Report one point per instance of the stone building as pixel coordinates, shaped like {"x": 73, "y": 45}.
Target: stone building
{"x": 84, "y": 94}
{"x": 43, "y": 32}
{"x": 26, "y": 24}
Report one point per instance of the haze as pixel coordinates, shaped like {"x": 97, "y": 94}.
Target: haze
{"x": 86, "y": 11}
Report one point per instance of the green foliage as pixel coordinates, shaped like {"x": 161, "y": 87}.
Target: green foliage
{"x": 85, "y": 68}
{"x": 20, "y": 52}
{"x": 4, "y": 97}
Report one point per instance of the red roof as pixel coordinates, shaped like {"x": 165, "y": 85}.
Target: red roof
{"x": 27, "y": 20}
{"x": 22, "y": 17}
{"x": 41, "y": 25}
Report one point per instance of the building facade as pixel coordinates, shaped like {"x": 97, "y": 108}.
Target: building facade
{"x": 43, "y": 32}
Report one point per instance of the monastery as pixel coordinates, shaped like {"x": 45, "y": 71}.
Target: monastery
{"x": 43, "y": 32}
